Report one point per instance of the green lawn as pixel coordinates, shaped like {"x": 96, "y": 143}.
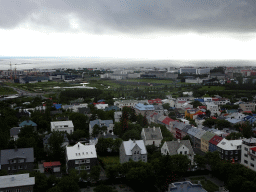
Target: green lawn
{"x": 110, "y": 160}
{"x": 212, "y": 88}
{"x": 7, "y": 91}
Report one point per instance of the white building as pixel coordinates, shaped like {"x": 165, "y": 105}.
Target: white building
{"x": 134, "y": 150}
{"x": 81, "y": 157}
{"x": 117, "y": 116}
{"x": 248, "y": 153}
{"x": 101, "y": 106}
{"x": 213, "y": 108}
{"x": 65, "y": 126}
{"x": 152, "y": 136}
{"x": 182, "y": 147}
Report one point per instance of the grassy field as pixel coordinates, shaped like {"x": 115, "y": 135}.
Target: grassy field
{"x": 212, "y": 88}
{"x": 110, "y": 160}
{"x": 7, "y": 91}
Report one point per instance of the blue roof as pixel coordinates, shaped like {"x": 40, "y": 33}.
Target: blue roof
{"x": 27, "y": 123}
{"x": 99, "y": 122}
{"x": 102, "y": 100}
{"x": 193, "y": 131}
{"x": 233, "y": 121}
{"x": 200, "y": 100}
{"x": 115, "y": 108}
{"x": 57, "y": 106}
{"x": 143, "y": 107}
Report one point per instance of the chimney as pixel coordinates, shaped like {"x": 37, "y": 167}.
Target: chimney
{"x": 178, "y": 140}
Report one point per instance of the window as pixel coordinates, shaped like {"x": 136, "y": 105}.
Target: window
{"x": 143, "y": 157}
{"x": 231, "y": 152}
{"x": 253, "y": 152}
{"x": 134, "y": 158}
{"x": 236, "y": 152}
{"x": 252, "y": 165}
{"x": 138, "y": 152}
{"x": 21, "y": 160}
{"x": 245, "y": 161}
{"x": 185, "y": 152}
{"x": 252, "y": 158}
{"x": 134, "y": 152}
{"x": 19, "y": 167}
{"x": 87, "y": 160}
{"x": 181, "y": 152}
{"x": 245, "y": 155}
{"x": 25, "y": 166}
{"x": 87, "y": 167}
{"x": 17, "y": 190}
{"x": 14, "y": 168}
{"x": 226, "y": 152}
{"x": 246, "y": 149}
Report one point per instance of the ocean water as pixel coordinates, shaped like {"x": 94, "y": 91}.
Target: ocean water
{"x": 79, "y": 62}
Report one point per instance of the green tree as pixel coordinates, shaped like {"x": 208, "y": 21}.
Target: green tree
{"x": 67, "y": 184}
{"x": 223, "y": 124}
{"x": 166, "y": 106}
{"x": 234, "y": 136}
{"x": 200, "y": 161}
{"x": 131, "y": 134}
{"x": 56, "y": 150}
{"x": 95, "y": 173}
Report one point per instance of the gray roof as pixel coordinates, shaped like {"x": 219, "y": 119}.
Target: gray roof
{"x": 16, "y": 180}
{"x": 173, "y": 146}
{"x": 152, "y": 134}
{"x": 186, "y": 128}
{"x": 109, "y": 135}
{"x": 179, "y": 125}
{"x": 14, "y": 131}
{"x": 193, "y": 131}
{"x": 8, "y": 154}
{"x": 98, "y": 122}
{"x": 200, "y": 134}
{"x": 158, "y": 107}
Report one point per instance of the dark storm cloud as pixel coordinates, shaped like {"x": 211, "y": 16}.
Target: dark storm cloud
{"x": 133, "y": 16}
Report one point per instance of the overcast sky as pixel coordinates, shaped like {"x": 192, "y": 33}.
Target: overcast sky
{"x": 134, "y": 29}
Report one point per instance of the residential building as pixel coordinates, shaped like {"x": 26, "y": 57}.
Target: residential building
{"x": 182, "y": 147}
{"x": 214, "y": 142}
{"x": 52, "y": 167}
{"x": 192, "y": 132}
{"x": 14, "y": 132}
{"x": 159, "y": 109}
{"x": 155, "y": 101}
{"x": 28, "y": 123}
{"x": 144, "y": 109}
{"x": 152, "y": 136}
{"x": 213, "y": 108}
{"x": 247, "y": 106}
{"x": 205, "y": 141}
{"x": 14, "y": 160}
{"x": 81, "y": 157}
{"x": 198, "y": 137}
{"x": 133, "y": 150}
{"x": 65, "y": 126}
{"x": 108, "y": 123}
{"x": 230, "y": 149}
{"x": 188, "y": 70}
{"x": 125, "y": 103}
{"x": 248, "y": 153}
{"x": 17, "y": 183}
{"x": 117, "y": 116}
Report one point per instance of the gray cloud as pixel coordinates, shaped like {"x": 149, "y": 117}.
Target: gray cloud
{"x": 133, "y": 16}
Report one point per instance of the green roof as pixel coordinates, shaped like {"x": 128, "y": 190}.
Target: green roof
{"x": 208, "y": 136}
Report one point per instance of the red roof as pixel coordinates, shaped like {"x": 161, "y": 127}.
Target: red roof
{"x": 215, "y": 99}
{"x": 51, "y": 164}
{"x": 167, "y": 120}
{"x": 153, "y": 114}
{"x": 215, "y": 140}
{"x": 200, "y": 113}
{"x": 254, "y": 148}
{"x": 247, "y": 112}
{"x": 202, "y": 107}
{"x": 154, "y": 101}
{"x": 181, "y": 101}
{"x": 99, "y": 103}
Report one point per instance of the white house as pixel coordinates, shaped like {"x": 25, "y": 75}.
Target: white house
{"x": 178, "y": 147}
{"x": 65, "y": 126}
{"x": 117, "y": 116}
{"x": 213, "y": 108}
{"x": 134, "y": 150}
{"x": 248, "y": 153}
{"x": 81, "y": 157}
{"x": 152, "y": 136}
{"x": 101, "y": 106}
